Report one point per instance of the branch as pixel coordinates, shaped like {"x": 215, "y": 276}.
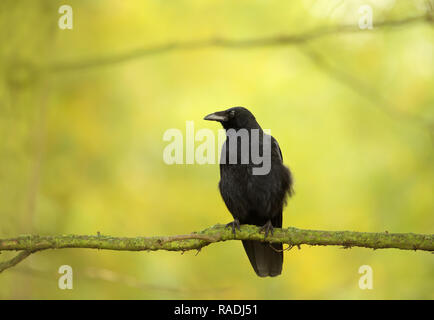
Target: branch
{"x": 364, "y": 90}
{"x": 15, "y": 260}
{"x": 217, "y": 233}
{"x": 100, "y": 274}
{"x": 279, "y": 40}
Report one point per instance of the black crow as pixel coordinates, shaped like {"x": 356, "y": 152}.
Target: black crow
{"x": 251, "y": 195}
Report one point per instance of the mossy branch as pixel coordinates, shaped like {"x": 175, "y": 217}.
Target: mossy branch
{"x": 217, "y": 233}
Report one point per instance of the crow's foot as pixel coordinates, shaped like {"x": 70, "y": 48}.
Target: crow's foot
{"x": 234, "y": 224}
{"x": 266, "y": 228}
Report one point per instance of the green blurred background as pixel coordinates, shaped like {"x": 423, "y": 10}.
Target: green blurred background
{"x": 81, "y": 148}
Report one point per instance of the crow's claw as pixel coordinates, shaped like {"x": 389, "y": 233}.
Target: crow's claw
{"x": 234, "y": 224}
{"x": 266, "y": 228}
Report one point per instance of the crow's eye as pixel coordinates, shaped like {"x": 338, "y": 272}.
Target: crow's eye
{"x": 232, "y": 113}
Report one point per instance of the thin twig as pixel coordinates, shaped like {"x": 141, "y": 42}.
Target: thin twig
{"x": 189, "y": 237}
{"x": 15, "y": 260}
{"x": 362, "y": 89}
{"x": 279, "y": 40}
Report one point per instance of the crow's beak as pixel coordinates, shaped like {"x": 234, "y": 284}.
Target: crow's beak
{"x": 217, "y": 116}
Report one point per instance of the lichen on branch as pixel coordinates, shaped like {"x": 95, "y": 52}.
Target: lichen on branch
{"x": 218, "y": 233}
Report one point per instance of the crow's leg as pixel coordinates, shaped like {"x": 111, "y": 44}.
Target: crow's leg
{"x": 234, "y": 224}
{"x": 266, "y": 228}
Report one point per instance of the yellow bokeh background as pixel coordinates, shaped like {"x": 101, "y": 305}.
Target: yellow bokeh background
{"x": 82, "y": 149}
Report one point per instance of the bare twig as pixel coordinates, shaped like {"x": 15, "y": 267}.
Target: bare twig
{"x": 279, "y": 40}
{"x": 102, "y": 274}
{"x": 15, "y": 260}
{"x": 361, "y": 88}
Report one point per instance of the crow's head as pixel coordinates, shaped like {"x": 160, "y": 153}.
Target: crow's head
{"x": 234, "y": 118}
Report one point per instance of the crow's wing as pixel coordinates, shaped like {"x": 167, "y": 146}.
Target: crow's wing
{"x": 276, "y": 146}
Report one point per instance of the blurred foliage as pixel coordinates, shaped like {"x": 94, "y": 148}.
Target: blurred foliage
{"x": 81, "y": 151}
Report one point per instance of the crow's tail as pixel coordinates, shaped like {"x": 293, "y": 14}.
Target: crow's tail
{"x": 266, "y": 261}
